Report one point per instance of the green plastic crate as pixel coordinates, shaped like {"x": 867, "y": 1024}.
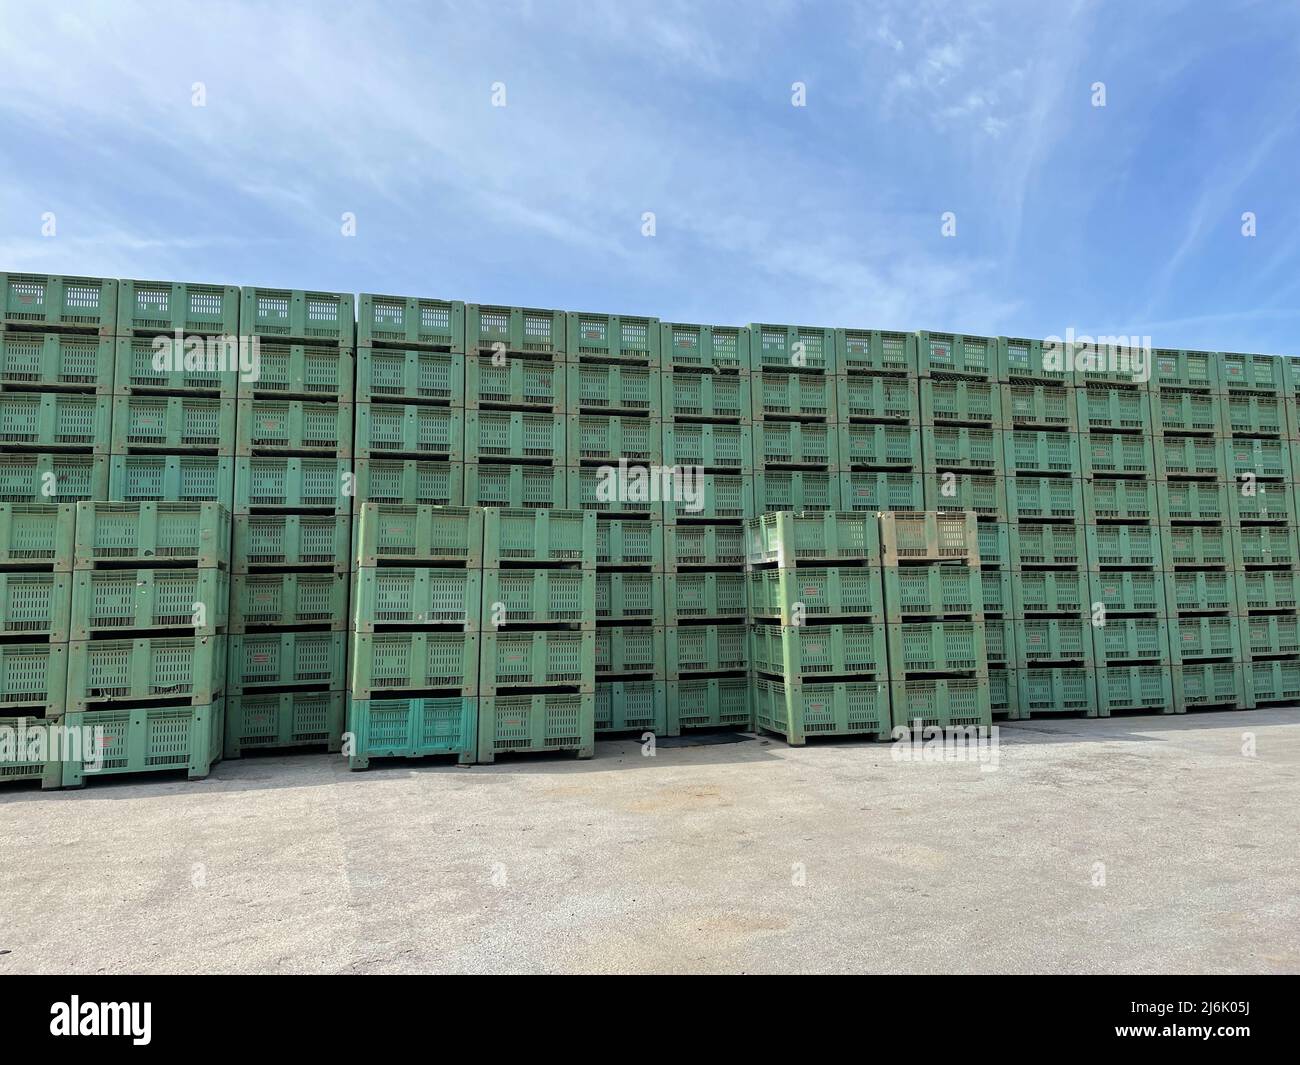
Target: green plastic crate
{"x": 299, "y": 540}
{"x": 36, "y": 604}
{"x": 877, "y": 399}
{"x": 542, "y": 596}
{"x": 537, "y": 658}
{"x": 704, "y": 347}
{"x": 514, "y": 435}
{"x": 951, "y": 491}
{"x": 994, "y": 543}
{"x": 938, "y": 354}
{"x": 875, "y": 491}
{"x": 885, "y": 447}
{"x": 1267, "y": 589}
{"x": 1004, "y": 693}
{"x": 792, "y": 347}
{"x": 142, "y": 367}
{"x": 413, "y": 661}
{"x": 936, "y": 647}
{"x": 801, "y": 490}
{"x": 1205, "y": 637}
{"x": 1148, "y": 688}
{"x": 707, "y": 649}
{"x": 293, "y": 313}
{"x": 796, "y": 710}
{"x": 951, "y": 702}
{"x": 37, "y": 534}
{"x": 265, "y": 721}
{"x": 803, "y": 395}
{"x": 729, "y": 495}
{"x": 521, "y": 485}
{"x": 996, "y": 588}
{"x": 1123, "y": 545}
{"x": 1255, "y": 373}
{"x": 1210, "y": 684}
{"x": 88, "y": 303}
{"x": 52, "y": 477}
{"x": 172, "y": 478}
{"x": 609, "y": 438}
{"x": 1189, "y": 456}
{"x": 539, "y": 383}
{"x": 528, "y": 330}
{"x": 924, "y": 536}
{"x": 718, "y": 447}
{"x": 715, "y": 702}
{"x": 286, "y": 659}
{"x": 608, "y": 490}
{"x": 1122, "y": 640}
{"x": 630, "y": 542}
{"x": 693, "y": 595}
{"x": 1176, "y": 411}
{"x": 538, "y": 537}
{"x": 107, "y": 601}
{"x": 283, "y": 600}
{"x": 605, "y": 388}
{"x": 168, "y": 306}
{"x": 875, "y": 351}
{"x": 611, "y": 336}
{"x": 928, "y": 591}
{"x": 1265, "y": 415}
{"x": 104, "y": 672}
{"x": 699, "y": 395}
{"x": 1044, "y": 640}
{"x": 631, "y": 597}
{"x": 948, "y": 402}
{"x": 1200, "y": 545}
{"x": 1190, "y": 591}
{"x": 1184, "y": 369}
{"x": 527, "y": 724}
{"x": 1056, "y": 690}
{"x": 1110, "y": 409}
{"x": 412, "y": 321}
{"x": 631, "y": 706}
{"x": 312, "y": 371}
{"x": 1039, "y": 406}
{"x": 56, "y": 360}
{"x": 1048, "y": 544}
{"x": 54, "y": 419}
{"x": 150, "y": 532}
{"x": 385, "y": 374}
{"x": 18, "y": 763}
{"x": 1049, "y": 592}
{"x": 392, "y": 595}
{"x": 1037, "y": 451}
{"x": 1024, "y": 360}
{"x": 952, "y": 447}
{"x": 411, "y": 728}
{"x": 33, "y": 675}
{"x": 623, "y": 649}
{"x": 1259, "y": 458}
{"x": 149, "y": 740}
{"x": 703, "y": 545}
{"x": 1275, "y": 683}
{"x": 1116, "y": 455}
{"x": 295, "y": 483}
{"x": 173, "y": 423}
{"x": 1260, "y": 501}
{"x": 1126, "y": 592}
{"x": 795, "y": 444}
{"x": 796, "y": 596}
{"x": 413, "y": 482}
{"x": 1265, "y": 545}
{"x": 1133, "y": 500}
{"x": 1000, "y": 642}
{"x": 270, "y": 426}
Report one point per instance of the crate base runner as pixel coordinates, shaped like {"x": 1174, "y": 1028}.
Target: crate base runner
{"x": 799, "y": 710}
{"x": 528, "y": 724}
{"x": 631, "y": 706}
{"x": 283, "y": 719}
{"x": 148, "y": 740}
{"x": 411, "y": 728}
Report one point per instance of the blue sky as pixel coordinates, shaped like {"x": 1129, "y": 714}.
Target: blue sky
{"x": 1116, "y": 220}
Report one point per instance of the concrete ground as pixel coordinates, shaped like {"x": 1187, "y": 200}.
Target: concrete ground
{"x": 1123, "y": 845}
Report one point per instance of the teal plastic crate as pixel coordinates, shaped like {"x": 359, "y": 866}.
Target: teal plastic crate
{"x": 939, "y": 354}
{"x": 411, "y": 321}
{"x": 1267, "y": 589}
{"x": 106, "y": 601}
{"x": 955, "y": 491}
{"x": 412, "y": 482}
{"x": 1192, "y": 591}
{"x": 411, "y": 728}
{"x": 698, "y": 395}
{"x": 630, "y": 542}
{"x": 1265, "y": 545}
{"x": 36, "y": 605}
{"x": 1113, "y": 409}
{"x": 142, "y": 367}
{"x": 172, "y": 478}
{"x": 285, "y": 600}
{"x": 1210, "y": 684}
{"x": 1131, "y": 640}
{"x": 33, "y": 676}
{"x": 539, "y": 537}
{"x": 514, "y": 436}
{"x": 57, "y": 360}
{"x": 704, "y": 347}
{"x": 543, "y": 596}
{"x": 703, "y": 545}
{"x": 86, "y": 303}
{"x": 500, "y": 330}
{"x": 1025, "y": 360}
{"x": 949, "y": 402}
{"x": 1049, "y": 592}
{"x": 396, "y": 595}
{"x": 1047, "y": 544}
{"x": 173, "y": 423}
{"x": 150, "y": 307}
{"x": 793, "y": 395}
{"x": 148, "y": 740}
{"x": 925, "y": 536}
{"x": 798, "y": 490}
{"x": 413, "y": 661}
{"x": 711, "y": 446}
{"x": 271, "y": 426}
{"x": 1000, "y": 643}
{"x": 609, "y": 438}
{"x": 1275, "y": 683}
{"x": 942, "y": 702}
{"x": 1146, "y": 688}
{"x": 537, "y": 658}
{"x": 1257, "y": 458}
{"x": 875, "y": 491}
{"x": 611, "y": 336}
{"x": 37, "y": 534}
{"x": 725, "y": 495}
{"x": 1253, "y": 373}
{"x": 883, "y": 447}
{"x": 1037, "y": 498}
{"x": 792, "y": 347}
{"x": 996, "y": 588}
{"x": 102, "y": 673}
{"x": 52, "y": 478}
{"x": 1056, "y": 690}
{"x": 54, "y": 419}
{"x": 631, "y": 706}
{"x": 1116, "y": 455}
{"x": 293, "y": 313}
{"x": 1174, "y": 410}
{"x": 1251, "y": 501}
{"x": 875, "y": 351}
{"x": 693, "y": 649}
{"x": 1126, "y": 592}
{"x": 708, "y": 703}
{"x": 597, "y": 387}
{"x": 294, "y": 483}
{"x": 929, "y": 591}
{"x": 520, "y": 485}
{"x": 1039, "y": 406}
{"x": 877, "y": 399}
{"x": 798, "y": 596}
{"x": 1120, "y": 499}
{"x": 389, "y": 375}
{"x": 693, "y": 595}
{"x": 1046, "y": 640}
{"x": 1189, "y": 456}
{"x": 144, "y": 533}
{"x": 1197, "y": 370}
{"x": 1262, "y": 415}
{"x": 311, "y": 371}
{"x": 953, "y": 447}
{"x": 995, "y": 543}
{"x": 1205, "y": 637}
{"x": 531, "y": 724}
{"x": 1206, "y": 545}
{"x": 1037, "y": 451}
{"x": 795, "y": 444}
{"x": 315, "y": 541}
{"x": 624, "y": 649}
{"x": 266, "y": 721}
{"x": 630, "y": 597}
{"x": 936, "y": 647}
{"x": 260, "y": 661}
{"x": 1124, "y": 545}
{"x": 796, "y": 710}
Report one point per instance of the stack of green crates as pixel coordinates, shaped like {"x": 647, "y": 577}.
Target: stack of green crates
{"x": 35, "y": 625}
{"x": 818, "y": 662}
{"x": 147, "y": 653}
{"x": 537, "y": 631}
{"x": 706, "y": 389}
{"x": 415, "y": 640}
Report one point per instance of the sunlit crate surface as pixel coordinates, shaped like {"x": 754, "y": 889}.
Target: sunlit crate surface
{"x": 538, "y": 658}
{"x": 832, "y": 536}
{"x": 840, "y": 649}
{"x": 524, "y": 724}
{"x": 267, "y": 426}
{"x": 385, "y": 375}
{"x": 794, "y": 596}
{"x": 152, "y": 307}
{"x": 56, "y": 360}
{"x": 144, "y": 533}
{"x": 499, "y": 330}
{"x": 514, "y": 436}
{"x": 172, "y": 478}
{"x": 695, "y": 649}
{"x": 260, "y": 661}
{"x": 411, "y": 320}
{"x": 53, "y": 420}
{"x": 423, "y": 596}
{"x": 33, "y": 677}
{"x": 85, "y": 303}
{"x": 713, "y": 702}
{"x": 300, "y": 315}
{"x": 796, "y": 710}
{"x": 704, "y": 347}
{"x": 104, "y": 672}
{"x": 173, "y": 423}
{"x": 289, "y": 599}
{"x": 268, "y": 720}
{"x": 37, "y": 534}
{"x": 36, "y": 605}
{"x": 262, "y": 541}
{"x": 945, "y": 702}
{"x": 305, "y": 371}
{"x": 412, "y": 482}
{"x": 148, "y": 740}
{"x": 106, "y": 601}
{"x": 548, "y": 596}
{"x": 414, "y": 662}
{"x": 695, "y": 594}
{"x": 519, "y": 485}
